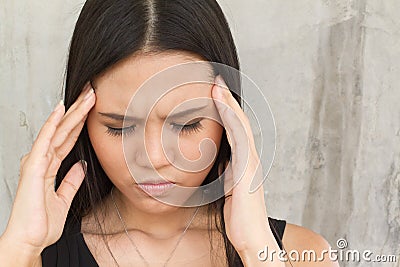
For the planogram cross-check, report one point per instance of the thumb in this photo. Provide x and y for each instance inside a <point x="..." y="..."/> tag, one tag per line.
<point x="71" y="183"/>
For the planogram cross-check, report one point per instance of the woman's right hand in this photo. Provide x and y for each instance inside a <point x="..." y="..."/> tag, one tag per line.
<point x="39" y="212"/>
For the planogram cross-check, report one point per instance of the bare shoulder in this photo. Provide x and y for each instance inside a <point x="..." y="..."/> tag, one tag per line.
<point x="299" y="241"/>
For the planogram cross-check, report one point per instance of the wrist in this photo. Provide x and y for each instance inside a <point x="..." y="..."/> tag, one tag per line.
<point x="13" y="253"/>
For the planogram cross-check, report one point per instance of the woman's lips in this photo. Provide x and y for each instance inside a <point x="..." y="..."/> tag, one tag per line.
<point x="156" y="189"/>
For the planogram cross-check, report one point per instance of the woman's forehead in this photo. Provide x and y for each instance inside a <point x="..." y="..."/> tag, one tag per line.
<point x="115" y="89"/>
<point x="136" y="69"/>
<point x="175" y="101"/>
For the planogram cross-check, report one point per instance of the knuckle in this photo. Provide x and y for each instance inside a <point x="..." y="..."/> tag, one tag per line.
<point x="23" y="161"/>
<point x="53" y="156"/>
<point x="82" y="117"/>
<point x="64" y="133"/>
<point x="49" y="156"/>
<point x="82" y="114"/>
<point x="74" y="138"/>
<point x="57" y="157"/>
<point x="59" y="138"/>
<point x="64" y="199"/>
<point x="49" y="124"/>
<point x="50" y="186"/>
<point x="24" y="158"/>
<point x="72" y="186"/>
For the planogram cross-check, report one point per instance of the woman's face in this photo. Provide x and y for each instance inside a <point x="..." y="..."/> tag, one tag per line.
<point x="152" y="148"/>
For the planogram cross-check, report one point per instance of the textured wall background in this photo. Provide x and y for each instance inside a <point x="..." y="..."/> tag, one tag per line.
<point x="329" y="70"/>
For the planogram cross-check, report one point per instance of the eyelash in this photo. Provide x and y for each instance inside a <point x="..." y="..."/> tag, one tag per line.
<point x="186" y="129"/>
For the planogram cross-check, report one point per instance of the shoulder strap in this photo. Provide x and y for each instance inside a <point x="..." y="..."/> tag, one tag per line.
<point x="277" y="228"/>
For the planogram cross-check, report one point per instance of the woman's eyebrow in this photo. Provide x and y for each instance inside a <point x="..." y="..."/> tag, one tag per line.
<point x="119" y="117"/>
<point x="186" y="112"/>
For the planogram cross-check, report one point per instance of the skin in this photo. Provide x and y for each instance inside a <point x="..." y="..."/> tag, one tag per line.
<point x="155" y="224"/>
<point x="125" y="79"/>
<point x="152" y="221"/>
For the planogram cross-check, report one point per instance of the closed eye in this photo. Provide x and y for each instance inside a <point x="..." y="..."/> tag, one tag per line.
<point x="119" y="131"/>
<point x="185" y="129"/>
<point x="189" y="128"/>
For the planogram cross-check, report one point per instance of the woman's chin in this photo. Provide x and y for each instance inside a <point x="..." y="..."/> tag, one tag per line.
<point x="154" y="200"/>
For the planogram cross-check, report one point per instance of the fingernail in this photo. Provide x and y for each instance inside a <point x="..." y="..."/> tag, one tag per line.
<point x="89" y="94"/>
<point x="59" y="105"/>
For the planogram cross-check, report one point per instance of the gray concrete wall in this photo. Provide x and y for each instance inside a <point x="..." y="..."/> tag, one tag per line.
<point x="329" y="70"/>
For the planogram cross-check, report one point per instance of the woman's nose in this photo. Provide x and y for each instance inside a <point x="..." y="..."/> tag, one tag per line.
<point x="156" y="151"/>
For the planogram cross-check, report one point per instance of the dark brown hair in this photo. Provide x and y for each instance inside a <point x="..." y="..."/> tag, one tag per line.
<point x="108" y="31"/>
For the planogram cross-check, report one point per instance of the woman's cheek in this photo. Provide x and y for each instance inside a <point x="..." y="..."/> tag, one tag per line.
<point x="108" y="150"/>
<point x="190" y="148"/>
<point x="211" y="133"/>
<point x="111" y="156"/>
<point x="201" y="149"/>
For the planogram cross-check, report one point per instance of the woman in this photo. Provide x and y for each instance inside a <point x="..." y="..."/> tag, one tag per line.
<point x="97" y="215"/>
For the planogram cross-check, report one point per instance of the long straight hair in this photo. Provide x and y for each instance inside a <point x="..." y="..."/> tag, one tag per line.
<point x="108" y="31"/>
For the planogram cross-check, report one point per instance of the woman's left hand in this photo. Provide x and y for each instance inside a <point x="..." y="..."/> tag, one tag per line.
<point x="245" y="213"/>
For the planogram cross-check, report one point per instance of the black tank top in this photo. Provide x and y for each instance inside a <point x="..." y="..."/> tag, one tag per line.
<point x="71" y="250"/>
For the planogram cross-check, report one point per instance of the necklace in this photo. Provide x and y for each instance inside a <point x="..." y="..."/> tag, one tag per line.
<point x="133" y="243"/>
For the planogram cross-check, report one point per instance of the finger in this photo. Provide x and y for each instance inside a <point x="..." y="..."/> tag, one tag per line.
<point x="79" y="100"/>
<point x="225" y="95"/>
<point x="75" y="132"/>
<point x="69" y="123"/>
<point x="42" y="143"/>
<point x="223" y="110"/>
<point x="231" y="114"/>
<point x="23" y="159"/>
<point x="64" y="149"/>
<point x="235" y="119"/>
<point x="71" y="183"/>
<point x="230" y="100"/>
<point x="239" y="129"/>
<point x="69" y="143"/>
<point x="65" y="137"/>
<point x="228" y="179"/>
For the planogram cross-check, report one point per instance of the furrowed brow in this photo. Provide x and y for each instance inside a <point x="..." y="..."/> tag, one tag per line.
<point x="181" y="114"/>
